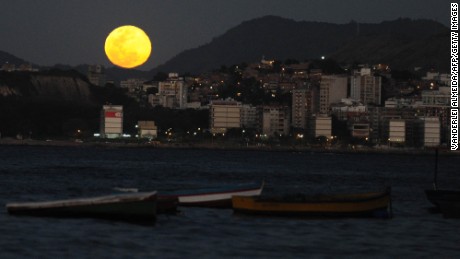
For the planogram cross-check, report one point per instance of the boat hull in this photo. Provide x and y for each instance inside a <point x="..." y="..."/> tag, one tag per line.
<point x="167" y="205"/>
<point x="446" y="201"/>
<point x="356" y="205"/>
<point x="128" y="207"/>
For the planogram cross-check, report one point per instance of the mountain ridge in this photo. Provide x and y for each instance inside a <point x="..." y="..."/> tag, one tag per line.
<point x="281" y="38"/>
<point x="403" y="43"/>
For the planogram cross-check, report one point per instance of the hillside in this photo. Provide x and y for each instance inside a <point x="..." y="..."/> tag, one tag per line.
<point x="431" y="52"/>
<point x="402" y="43"/>
<point x="67" y="86"/>
<point x="54" y="103"/>
<point x="6" y="57"/>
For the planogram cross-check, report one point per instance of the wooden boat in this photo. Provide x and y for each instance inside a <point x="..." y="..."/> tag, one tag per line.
<point x="136" y="207"/>
<point x="373" y="204"/>
<point x="217" y="197"/>
<point x="445" y="201"/>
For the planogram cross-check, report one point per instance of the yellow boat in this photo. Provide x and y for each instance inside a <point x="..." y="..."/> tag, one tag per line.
<point x="372" y="204"/>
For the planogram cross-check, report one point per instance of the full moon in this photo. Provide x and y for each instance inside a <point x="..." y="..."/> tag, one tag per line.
<point x="128" y="46"/>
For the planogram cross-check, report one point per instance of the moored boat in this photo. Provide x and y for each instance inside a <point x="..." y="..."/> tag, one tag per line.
<point x="372" y="204"/>
<point x="216" y="197"/>
<point x="445" y="201"/>
<point x="136" y="207"/>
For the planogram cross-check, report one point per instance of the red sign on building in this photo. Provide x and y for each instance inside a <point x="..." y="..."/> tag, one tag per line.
<point x="110" y="114"/>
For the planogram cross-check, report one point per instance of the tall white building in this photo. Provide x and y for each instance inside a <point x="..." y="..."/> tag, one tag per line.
<point x="365" y="87"/>
<point x="111" y="121"/>
<point x="172" y="93"/>
<point x="332" y="89"/>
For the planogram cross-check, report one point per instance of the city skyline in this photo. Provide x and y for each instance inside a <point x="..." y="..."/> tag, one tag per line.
<point x="73" y="32"/>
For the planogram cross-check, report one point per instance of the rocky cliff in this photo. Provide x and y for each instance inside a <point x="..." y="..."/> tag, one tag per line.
<point x="65" y="86"/>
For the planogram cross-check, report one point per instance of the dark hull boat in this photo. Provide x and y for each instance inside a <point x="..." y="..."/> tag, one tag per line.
<point x="167" y="205"/>
<point x="445" y="201"/>
<point x="374" y="204"/>
<point x="135" y="207"/>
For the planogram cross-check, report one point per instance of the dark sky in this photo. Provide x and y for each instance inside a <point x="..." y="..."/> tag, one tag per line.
<point x="73" y="32"/>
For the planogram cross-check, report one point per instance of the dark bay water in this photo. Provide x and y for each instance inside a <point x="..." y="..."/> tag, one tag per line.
<point x="45" y="173"/>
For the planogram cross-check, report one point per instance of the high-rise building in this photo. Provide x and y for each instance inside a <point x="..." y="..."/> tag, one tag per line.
<point x="172" y="92"/>
<point x="299" y="108"/>
<point x="275" y="120"/>
<point x="111" y="121"/>
<point x="332" y="89"/>
<point x="250" y="117"/>
<point x="366" y="87"/>
<point x="225" y="114"/>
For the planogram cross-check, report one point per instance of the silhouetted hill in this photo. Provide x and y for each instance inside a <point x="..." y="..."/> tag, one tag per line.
<point x="6" y="57"/>
<point x="400" y="49"/>
<point x="401" y="43"/>
<point x="51" y="85"/>
<point x="54" y="103"/>
<point x="113" y="73"/>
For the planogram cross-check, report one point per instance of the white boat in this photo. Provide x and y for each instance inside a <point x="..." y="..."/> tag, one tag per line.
<point x="215" y="197"/>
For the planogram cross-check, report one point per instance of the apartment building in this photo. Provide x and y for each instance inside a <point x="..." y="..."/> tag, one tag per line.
<point x="172" y="93"/>
<point x="366" y="87"/>
<point x="275" y="120"/>
<point x="224" y="114"/>
<point x="299" y="108"/>
<point x="111" y="125"/>
<point x="321" y="125"/>
<point x="332" y="89"/>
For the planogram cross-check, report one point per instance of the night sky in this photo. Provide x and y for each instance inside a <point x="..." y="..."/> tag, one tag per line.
<point x="73" y="32"/>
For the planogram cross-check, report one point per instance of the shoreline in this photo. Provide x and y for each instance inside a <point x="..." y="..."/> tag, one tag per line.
<point x="227" y="146"/>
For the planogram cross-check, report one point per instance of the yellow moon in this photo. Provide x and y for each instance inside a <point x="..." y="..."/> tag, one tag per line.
<point x="128" y="46"/>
